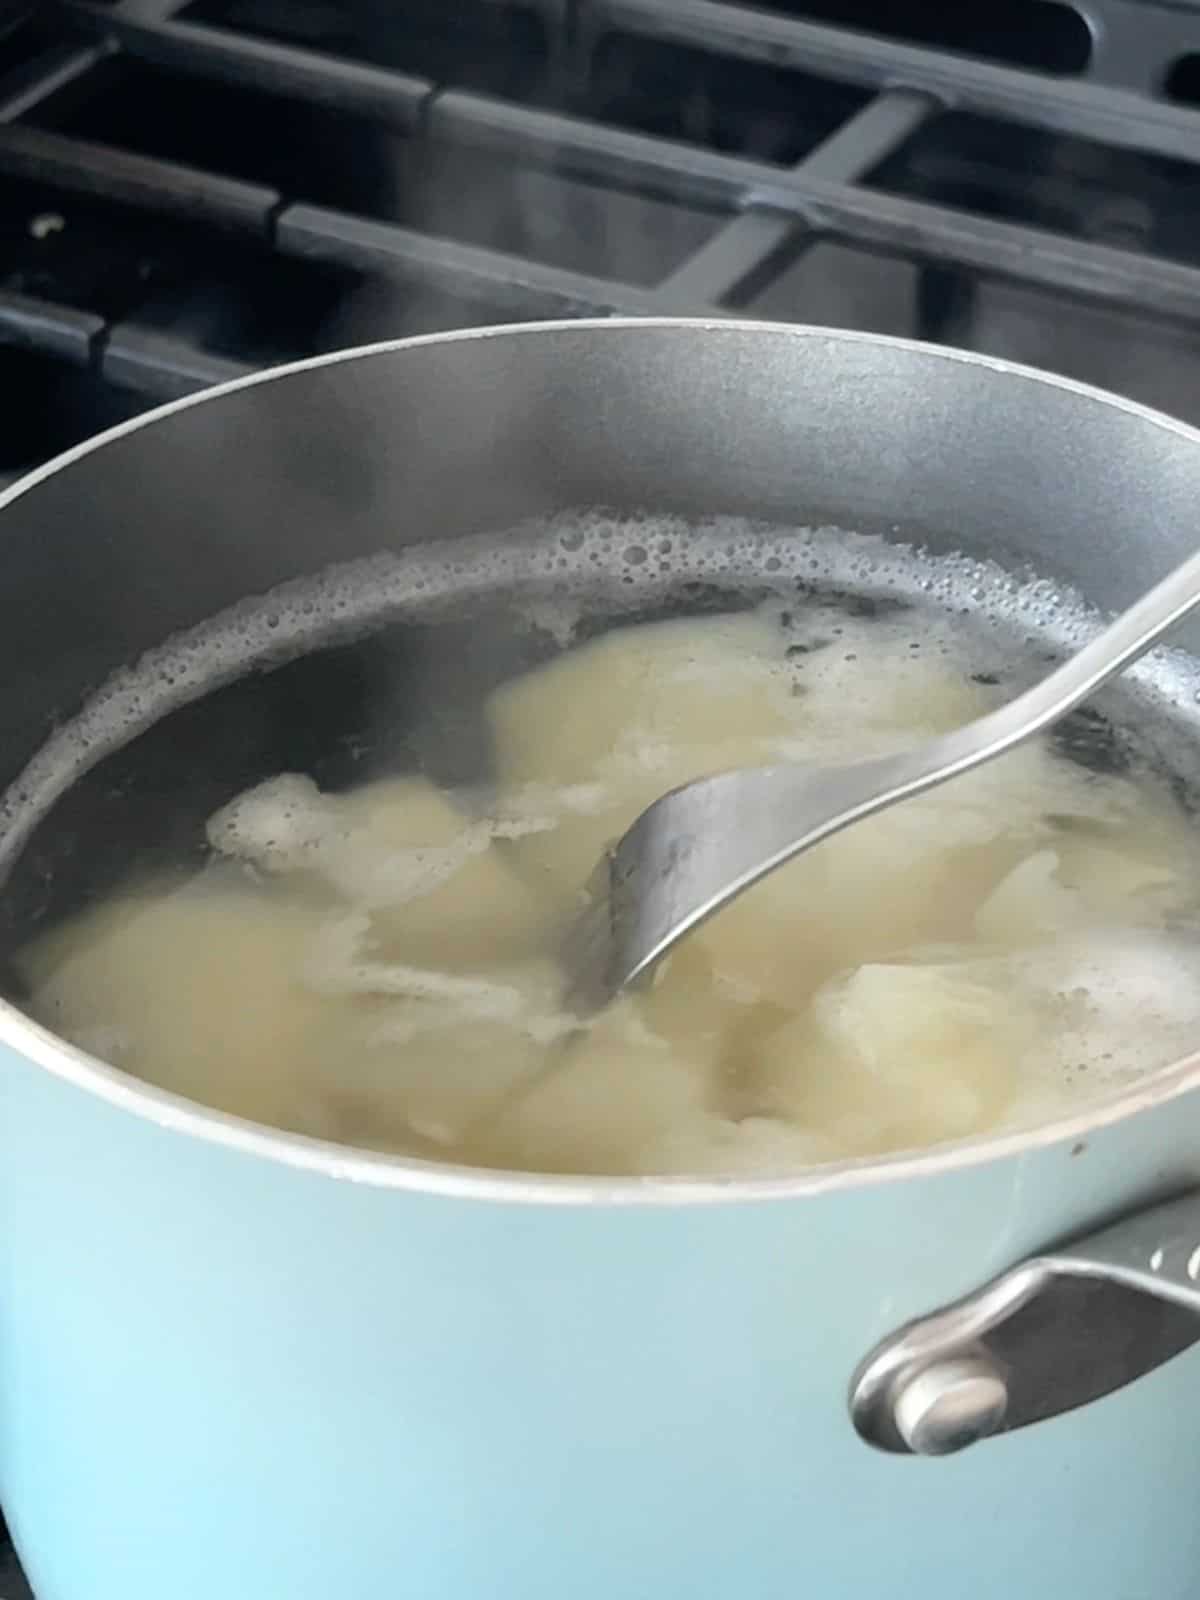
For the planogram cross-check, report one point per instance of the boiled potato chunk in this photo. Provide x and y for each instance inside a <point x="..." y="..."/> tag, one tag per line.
<point x="439" y="890"/>
<point x="896" y="1057"/>
<point x="411" y="1071"/>
<point x="624" y="703"/>
<point x="589" y="740"/>
<point x="692" y="1005"/>
<point x="1078" y="885"/>
<point x="912" y="876"/>
<point x="1031" y="903"/>
<point x="612" y="1091"/>
<point x="868" y="679"/>
<point x="754" y="1146"/>
<point x="196" y="989"/>
<point x="891" y="882"/>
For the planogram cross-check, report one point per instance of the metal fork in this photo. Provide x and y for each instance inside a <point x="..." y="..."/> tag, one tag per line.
<point x="694" y="850"/>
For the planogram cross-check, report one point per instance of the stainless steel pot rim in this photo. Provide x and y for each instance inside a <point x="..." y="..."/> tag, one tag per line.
<point x="65" y="1061"/>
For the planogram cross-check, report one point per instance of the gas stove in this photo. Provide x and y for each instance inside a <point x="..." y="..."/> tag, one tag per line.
<point x="191" y="191"/>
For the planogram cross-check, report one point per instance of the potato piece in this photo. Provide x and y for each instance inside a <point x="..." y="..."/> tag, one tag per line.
<point x="344" y="961"/>
<point x="1030" y="904"/>
<point x="621" y="705"/>
<point x="686" y="1004"/>
<point x="468" y="908"/>
<point x="615" y="1088"/>
<point x="909" y="877"/>
<point x="806" y="1081"/>
<point x="196" y="989"/>
<point x="439" y="889"/>
<point x="624" y="718"/>
<point x="899" y="1057"/>
<point x="869" y="679"/>
<point x="754" y="1147"/>
<point x="1080" y="885"/>
<point x="1122" y="877"/>
<point x="413" y="1070"/>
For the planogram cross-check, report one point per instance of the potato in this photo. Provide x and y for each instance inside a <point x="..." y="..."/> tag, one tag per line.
<point x="899" y="1057"/>
<point x="613" y="1090"/>
<point x="414" y="1071"/>
<point x="891" y="882"/>
<point x="195" y="988"/>
<point x="1030" y="904"/>
<point x="590" y="739"/>
<point x="868" y="680"/>
<point x="621" y="705"/>
<point x="439" y="889"/>
<point x="754" y="1147"/>
<point x="1079" y="885"/>
<point x="912" y="876"/>
<point x="687" y="1003"/>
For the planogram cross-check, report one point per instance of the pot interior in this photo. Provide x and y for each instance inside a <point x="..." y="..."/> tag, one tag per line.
<point x="451" y="445"/>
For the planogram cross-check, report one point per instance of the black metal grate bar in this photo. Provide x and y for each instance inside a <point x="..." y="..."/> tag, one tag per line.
<point x="773" y="210"/>
<point x="112" y="174"/>
<point x="1026" y="255"/>
<point x="859" y="215"/>
<point x="1088" y="110"/>
<point x="505" y="281"/>
<point x="596" y="149"/>
<point x="1110" y="115"/>
<point x="866" y="216"/>
<point x="149" y="10"/>
<point x="392" y="98"/>
<point x="162" y="367"/>
<point x="45" y="76"/>
<point x="809" y="193"/>
<point x="33" y="324"/>
<point x="744" y="250"/>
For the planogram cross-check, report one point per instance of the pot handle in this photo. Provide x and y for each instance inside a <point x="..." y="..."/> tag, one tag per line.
<point x="1052" y="1333"/>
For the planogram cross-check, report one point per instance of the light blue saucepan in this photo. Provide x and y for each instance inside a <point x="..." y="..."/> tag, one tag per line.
<point x="240" y="1364"/>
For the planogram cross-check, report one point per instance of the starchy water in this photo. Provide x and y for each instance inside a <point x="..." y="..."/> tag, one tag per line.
<point x="377" y="965"/>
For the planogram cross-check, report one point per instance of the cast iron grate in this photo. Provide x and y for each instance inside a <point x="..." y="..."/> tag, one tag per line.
<point x="383" y="170"/>
<point x="576" y="156"/>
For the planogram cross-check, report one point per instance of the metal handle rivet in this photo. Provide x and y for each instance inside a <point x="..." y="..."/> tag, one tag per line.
<point x="949" y="1405"/>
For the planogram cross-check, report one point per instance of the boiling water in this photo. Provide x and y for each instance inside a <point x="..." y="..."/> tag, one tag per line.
<point x="376" y="964"/>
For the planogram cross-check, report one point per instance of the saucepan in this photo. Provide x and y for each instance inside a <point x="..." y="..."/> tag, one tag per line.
<point x="240" y="1362"/>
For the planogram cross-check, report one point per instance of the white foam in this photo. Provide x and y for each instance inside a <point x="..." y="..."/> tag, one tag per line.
<point x="274" y="826"/>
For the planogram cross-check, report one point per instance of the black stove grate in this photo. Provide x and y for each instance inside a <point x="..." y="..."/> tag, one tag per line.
<point x="189" y="191"/>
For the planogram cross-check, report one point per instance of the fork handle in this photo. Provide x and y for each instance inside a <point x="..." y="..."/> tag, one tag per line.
<point x="1133" y="633"/>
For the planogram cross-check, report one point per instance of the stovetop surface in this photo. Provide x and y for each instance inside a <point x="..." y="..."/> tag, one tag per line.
<point x="192" y="191"/>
